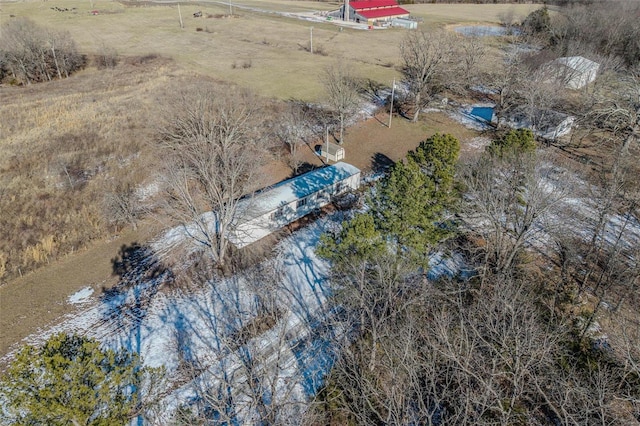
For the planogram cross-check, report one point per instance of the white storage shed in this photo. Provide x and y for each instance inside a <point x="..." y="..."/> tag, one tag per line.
<point x="331" y="151"/>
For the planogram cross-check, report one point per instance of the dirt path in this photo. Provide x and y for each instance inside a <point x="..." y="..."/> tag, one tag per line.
<point x="40" y="297"/>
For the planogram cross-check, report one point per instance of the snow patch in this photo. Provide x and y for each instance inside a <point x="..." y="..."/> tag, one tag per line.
<point x="81" y="296"/>
<point x="478" y="143"/>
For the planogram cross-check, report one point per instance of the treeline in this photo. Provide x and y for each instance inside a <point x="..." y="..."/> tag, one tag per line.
<point x="30" y="53"/>
<point x="608" y="30"/>
<point x="514" y="343"/>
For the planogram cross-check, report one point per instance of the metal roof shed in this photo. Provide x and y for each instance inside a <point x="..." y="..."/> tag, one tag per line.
<point x="332" y="151"/>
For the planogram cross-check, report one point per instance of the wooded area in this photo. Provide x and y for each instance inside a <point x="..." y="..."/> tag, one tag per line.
<point x="538" y="324"/>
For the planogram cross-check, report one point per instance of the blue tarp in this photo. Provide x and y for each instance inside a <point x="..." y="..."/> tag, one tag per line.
<point x="485" y="113"/>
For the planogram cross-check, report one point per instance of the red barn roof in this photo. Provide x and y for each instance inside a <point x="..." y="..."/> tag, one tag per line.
<point x="378" y="13"/>
<point x="372" y="4"/>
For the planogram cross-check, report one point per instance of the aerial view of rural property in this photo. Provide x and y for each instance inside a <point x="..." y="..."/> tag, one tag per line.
<point x="341" y="212"/>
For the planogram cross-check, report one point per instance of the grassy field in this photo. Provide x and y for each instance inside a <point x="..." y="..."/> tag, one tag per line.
<point x="275" y="46"/>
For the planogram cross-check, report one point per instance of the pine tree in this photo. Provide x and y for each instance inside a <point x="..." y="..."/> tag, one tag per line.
<point x="514" y="142"/>
<point x="358" y="241"/>
<point x="437" y="157"/>
<point x="71" y="381"/>
<point x="405" y="210"/>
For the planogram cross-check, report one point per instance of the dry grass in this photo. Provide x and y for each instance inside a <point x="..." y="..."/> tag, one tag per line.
<point x="274" y="45"/>
<point x="371" y="143"/>
<point x="439" y="14"/>
<point x="65" y="144"/>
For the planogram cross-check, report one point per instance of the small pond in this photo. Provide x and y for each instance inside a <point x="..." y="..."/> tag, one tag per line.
<point x="485" y="31"/>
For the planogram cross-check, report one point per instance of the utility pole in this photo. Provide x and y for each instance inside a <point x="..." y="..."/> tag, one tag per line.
<point x="393" y="90"/>
<point x="230" y="9"/>
<point x="327" y="139"/>
<point x="180" y="15"/>
<point x="311" y="40"/>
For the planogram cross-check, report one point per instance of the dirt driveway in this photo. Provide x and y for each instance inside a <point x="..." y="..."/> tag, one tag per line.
<point x="371" y="144"/>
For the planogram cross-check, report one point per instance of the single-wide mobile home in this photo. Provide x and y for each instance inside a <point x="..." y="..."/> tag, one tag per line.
<point x="292" y="199"/>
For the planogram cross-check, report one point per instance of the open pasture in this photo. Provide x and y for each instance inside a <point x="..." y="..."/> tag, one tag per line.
<point x="257" y="47"/>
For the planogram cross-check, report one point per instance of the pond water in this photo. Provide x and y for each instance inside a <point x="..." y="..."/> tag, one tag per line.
<point x="485" y="31"/>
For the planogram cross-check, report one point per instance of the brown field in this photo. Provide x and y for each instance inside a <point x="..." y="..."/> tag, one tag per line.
<point x="106" y="121"/>
<point x="274" y="45"/>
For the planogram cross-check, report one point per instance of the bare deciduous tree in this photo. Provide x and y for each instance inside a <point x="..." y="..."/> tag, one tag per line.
<point x="508" y="200"/>
<point x="122" y="205"/>
<point x="471" y="51"/>
<point x="616" y="107"/>
<point x="538" y="96"/>
<point x="249" y="374"/>
<point x="343" y="94"/>
<point x="213" y="158"/>
<point x="504" y="80"/>
<point x="424" y="56"/>
<point x="292" y="130"/>
<point x="32" y="53"/>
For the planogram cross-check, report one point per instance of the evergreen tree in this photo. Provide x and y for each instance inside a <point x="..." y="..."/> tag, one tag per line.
<point x="71" y="381"/>
<point x="405" y="210"/>
<point x="437" y="157"/>
<point x="537" y="22"/>
<point x="359" y="240"/>
<point x="514" y="142"/>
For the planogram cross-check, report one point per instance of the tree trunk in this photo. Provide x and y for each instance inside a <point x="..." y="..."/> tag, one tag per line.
<point x="55" y="60"/>
<point x="417" y="107"/>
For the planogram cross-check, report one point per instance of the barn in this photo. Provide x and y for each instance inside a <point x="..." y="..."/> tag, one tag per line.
<point x="372" y="12"/>
<point x="292" y="199"/>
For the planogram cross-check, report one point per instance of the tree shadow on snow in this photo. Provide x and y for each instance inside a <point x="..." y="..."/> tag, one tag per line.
<point x="140" y="276"/>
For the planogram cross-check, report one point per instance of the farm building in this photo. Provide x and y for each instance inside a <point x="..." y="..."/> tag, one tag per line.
<point x="372" y="12"/>
<point x="545" y="123"/>
<point x="404" y="23"/>
<point x="574" y="72"/>
<point x="282" y="204"/>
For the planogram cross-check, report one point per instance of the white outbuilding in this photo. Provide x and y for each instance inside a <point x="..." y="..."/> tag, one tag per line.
<point x="574" y="72"/>
<point x="273" y="208"/>
<point x="544" y="123"/>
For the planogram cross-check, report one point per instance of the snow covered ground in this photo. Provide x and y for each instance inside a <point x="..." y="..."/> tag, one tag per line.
<point x="195" y="334"/>
<point x="169" y="327"/>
